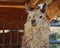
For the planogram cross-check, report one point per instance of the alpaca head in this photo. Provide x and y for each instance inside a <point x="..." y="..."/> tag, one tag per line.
<point x="37" y="16"/>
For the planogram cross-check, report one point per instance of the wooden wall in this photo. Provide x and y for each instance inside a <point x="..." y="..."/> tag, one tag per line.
<point x="12" y="18"/>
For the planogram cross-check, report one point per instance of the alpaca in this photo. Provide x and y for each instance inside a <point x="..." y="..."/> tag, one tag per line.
<point x="37" y="29"/>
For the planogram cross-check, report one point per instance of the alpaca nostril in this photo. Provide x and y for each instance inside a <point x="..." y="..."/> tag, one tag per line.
<point x="32" y="21"/>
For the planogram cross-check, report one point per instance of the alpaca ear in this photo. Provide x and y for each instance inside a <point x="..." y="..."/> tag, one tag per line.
<point x="27" y="8"/>
<point x="43" y="8"/>
<point x="48" y="2"/>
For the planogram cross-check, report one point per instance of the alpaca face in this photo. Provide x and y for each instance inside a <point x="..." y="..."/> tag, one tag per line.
<point x="36" y="17"/>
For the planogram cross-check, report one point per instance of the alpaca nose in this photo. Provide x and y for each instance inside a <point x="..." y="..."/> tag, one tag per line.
<point x="33" y="21"/>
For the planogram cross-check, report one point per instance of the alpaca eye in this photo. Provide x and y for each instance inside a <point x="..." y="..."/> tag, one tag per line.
<point x="40" y="17"/>
<point x="29" y="17"/>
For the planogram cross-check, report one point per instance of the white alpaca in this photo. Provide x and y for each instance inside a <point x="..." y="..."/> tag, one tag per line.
<point x="37" y="29"/>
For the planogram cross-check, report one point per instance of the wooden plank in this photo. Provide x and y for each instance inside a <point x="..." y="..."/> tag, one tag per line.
<point x="13" y="6"/>
<point x="13" y="0"/>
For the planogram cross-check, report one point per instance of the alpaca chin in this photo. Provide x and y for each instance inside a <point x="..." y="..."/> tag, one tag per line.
<point x="36" y="27"/>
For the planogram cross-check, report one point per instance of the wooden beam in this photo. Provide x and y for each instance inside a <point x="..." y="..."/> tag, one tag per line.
<point x="33" y="3"/>
<point x="14" y="6"/>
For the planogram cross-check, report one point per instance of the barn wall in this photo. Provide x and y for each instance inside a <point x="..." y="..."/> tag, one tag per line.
<point x="12" y="18"/>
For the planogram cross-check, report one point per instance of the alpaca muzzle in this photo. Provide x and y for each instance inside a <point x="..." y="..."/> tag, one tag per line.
<point x="33" y="22"/>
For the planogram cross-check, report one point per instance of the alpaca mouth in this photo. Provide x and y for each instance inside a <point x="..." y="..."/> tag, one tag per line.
<point x="34" y="24"/>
